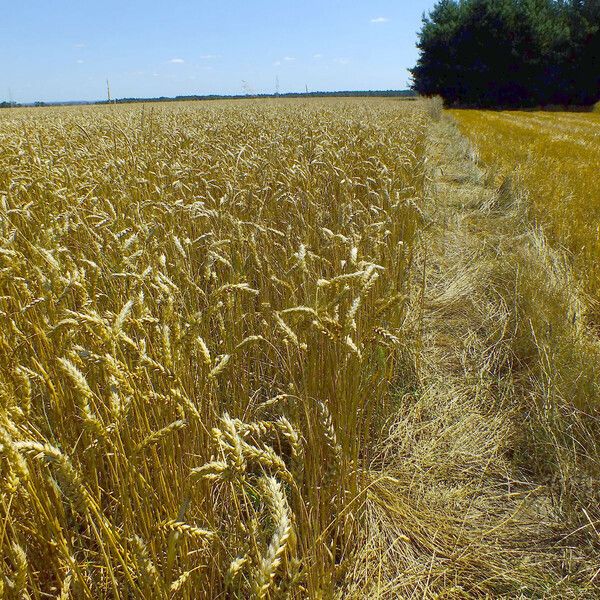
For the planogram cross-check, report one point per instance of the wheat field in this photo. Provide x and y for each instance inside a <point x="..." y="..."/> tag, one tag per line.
<point x="289" y="348"/>
<point x="555" y="156"/>
<point x="202" y="309"/>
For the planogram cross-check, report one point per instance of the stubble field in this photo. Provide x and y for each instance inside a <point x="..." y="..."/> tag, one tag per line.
<point x="555" y="156"/>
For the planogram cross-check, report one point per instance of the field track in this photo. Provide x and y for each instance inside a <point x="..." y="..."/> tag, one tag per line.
<point x="478" y="450"/>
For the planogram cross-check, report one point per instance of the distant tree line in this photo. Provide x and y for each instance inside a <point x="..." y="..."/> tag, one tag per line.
<point x="378" y="93"/>
<point x="510" y="53"/>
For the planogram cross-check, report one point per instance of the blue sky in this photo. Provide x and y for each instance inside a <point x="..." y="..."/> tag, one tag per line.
<point x="65" y="50"/>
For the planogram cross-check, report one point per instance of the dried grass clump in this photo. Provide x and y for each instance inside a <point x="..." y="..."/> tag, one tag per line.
<point x="202" y="312"/>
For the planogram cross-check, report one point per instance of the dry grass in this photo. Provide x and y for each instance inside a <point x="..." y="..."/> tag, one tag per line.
<point x="555" y="157"/>
<point x="486" y="483"/>
<point x="202" y="312"/>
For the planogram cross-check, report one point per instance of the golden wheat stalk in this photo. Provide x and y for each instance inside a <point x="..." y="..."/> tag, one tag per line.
<point x="269" y="563"/>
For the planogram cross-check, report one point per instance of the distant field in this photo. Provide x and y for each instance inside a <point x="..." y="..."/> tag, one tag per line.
<point x="556" y="156"/>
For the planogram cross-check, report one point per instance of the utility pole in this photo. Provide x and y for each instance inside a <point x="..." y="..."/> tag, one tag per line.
<point x="306" y="87"/>
<point x="277" y="86"/>
<point x="108" y="91"/>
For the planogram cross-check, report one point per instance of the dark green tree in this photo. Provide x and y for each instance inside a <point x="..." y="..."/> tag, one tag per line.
<point x="582" y="67"/>
<point x="510" y="52"/>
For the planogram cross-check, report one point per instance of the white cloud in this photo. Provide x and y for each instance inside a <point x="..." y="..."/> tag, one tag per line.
<point x="277" y="63"/>
<point x="79" y="45"/>
<point x="380" y="20"/>
<point x="209" y="56"/>
<point x="288" y="58"/>
<point x="79" y="62"/>
<point x="341" y="61"/>
<point x="317" y="56"/>
<point x="177" y="61"/>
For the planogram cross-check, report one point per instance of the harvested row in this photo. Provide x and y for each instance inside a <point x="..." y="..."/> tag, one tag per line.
<point x="555" y="157"/>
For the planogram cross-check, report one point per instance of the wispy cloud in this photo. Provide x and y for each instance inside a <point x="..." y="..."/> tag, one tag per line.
<point x="80" y="45"/>
<point x="286" y="59"/>
<point x="177" y="61"/>
<point x="380" y="20"/>
<point x="79" y="62"/>
<point x="209" y="56"/>
<point x="317" y="56"/>
<point x="341" y="61"/>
